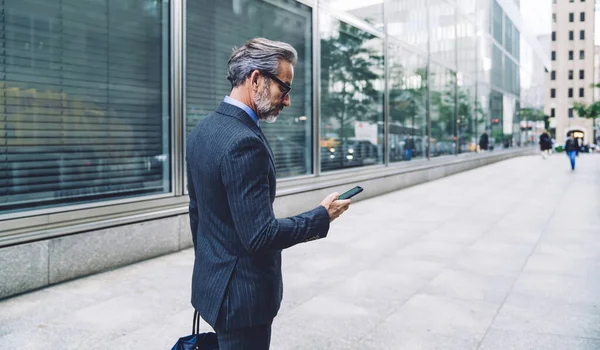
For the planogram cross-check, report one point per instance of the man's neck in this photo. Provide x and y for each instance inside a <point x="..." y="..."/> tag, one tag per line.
<point x="243" y="96"/>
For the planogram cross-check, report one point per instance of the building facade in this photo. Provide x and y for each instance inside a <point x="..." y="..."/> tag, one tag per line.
<point x="572" y="75"/>
<point x="97" y="97"/>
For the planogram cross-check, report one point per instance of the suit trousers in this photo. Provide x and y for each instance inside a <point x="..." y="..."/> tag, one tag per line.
<point x="253" y="338"/>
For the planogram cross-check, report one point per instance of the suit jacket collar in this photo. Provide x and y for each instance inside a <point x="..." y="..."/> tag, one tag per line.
<point x="238" y="113"/>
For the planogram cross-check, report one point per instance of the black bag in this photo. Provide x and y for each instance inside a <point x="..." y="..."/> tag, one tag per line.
<point x="197" y="341"/>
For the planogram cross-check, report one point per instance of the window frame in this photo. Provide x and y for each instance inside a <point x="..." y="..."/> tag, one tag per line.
<point x="69" y="211"/>
<point x="49" y="222"/>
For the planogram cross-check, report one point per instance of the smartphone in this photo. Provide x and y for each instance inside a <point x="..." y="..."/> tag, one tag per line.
<point x="351" y="193"/>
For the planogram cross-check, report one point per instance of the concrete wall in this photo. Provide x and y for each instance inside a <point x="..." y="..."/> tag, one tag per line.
<point x="30" y="266"/>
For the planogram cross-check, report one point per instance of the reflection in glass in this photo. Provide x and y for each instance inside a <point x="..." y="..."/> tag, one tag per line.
<point x="84" y="110"/>
<point x="407" y="81"/>
<point x="496" y="119"/>
<point x="497" y="16"/>
<point x="407" y="21"/>
<point x="466" y="124"/>
<point x="442" y="19"/>
<point x="466" y="45"/>
<point x="371" y="11"/>
<point x="483" y="116"/>
<point x="443" y="122"/>
<point x="214" y="28"/>
<point x="351" y="96"/>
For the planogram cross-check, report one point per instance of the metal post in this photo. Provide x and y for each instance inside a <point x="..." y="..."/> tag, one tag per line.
<point x="177" y="95"/>
<point x="386" y="98"/>
<point x="427" y="83"/>
<point x="316" y="60"/>
<point x="456" y="118"/>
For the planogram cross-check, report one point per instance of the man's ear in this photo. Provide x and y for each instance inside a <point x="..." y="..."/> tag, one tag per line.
<point x="254" y="79"/>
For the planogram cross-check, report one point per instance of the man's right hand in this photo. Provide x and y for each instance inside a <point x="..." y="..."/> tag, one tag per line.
<point x="335" y="207"/>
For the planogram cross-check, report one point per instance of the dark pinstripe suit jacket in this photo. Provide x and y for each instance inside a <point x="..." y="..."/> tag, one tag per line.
<point x="237" y="280"/>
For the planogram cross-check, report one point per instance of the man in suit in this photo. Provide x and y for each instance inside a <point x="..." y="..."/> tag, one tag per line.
<point x="237" y="284"/>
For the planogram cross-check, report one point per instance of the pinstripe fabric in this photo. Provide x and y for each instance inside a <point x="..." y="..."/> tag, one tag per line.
<point x="253" y="338"/>
<point x="237" y="281"/>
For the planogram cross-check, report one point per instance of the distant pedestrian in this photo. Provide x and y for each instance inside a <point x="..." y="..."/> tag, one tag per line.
<point x="572" y="149"/>
<point x="409" y="146"/>
<point x="484" y="141"/>
<point x="545" y="144"/>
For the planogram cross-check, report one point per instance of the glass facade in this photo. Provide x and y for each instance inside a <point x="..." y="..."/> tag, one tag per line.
<point x="84" y="101"/>
<point x="213" y="29"/>
<point x="352" y="86"/>
<point x="442" y="82"/>
<point x="97" y="96"/>
<point x="407" y="107"/>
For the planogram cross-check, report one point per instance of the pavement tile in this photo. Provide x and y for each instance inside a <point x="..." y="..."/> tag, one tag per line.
<point x="497" y="257"/>
<point x="504" y="340"/>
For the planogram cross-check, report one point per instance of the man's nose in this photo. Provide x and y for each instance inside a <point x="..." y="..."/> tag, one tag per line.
<point x="287" y="101"/>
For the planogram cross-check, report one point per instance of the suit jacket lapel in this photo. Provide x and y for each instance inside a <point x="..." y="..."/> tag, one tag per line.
<point x="238" y="113"/>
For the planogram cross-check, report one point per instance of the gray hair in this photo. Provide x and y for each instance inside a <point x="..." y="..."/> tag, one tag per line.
<point x="258" y="54"/>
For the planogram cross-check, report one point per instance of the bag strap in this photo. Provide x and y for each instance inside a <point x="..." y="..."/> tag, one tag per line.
<point x="196" y="324"/>
<point x="196" y="329"/>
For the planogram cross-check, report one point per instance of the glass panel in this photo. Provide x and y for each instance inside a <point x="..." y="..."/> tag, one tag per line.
<point x="371" y="11"/>
<point x="484" y="66"/>
<point x="496" y="120"/>
<point x="465" y="120"/>
<point x="408" y="74"/>
<point x="84" y="96"/>
<point x="466" y="43"/>
<point x="443" y="122"/>
<point x="508" y="74"/>
<point x="443" y="35"/>
<point x="351" y="96"/>
<point x="497" y="67"/>
<point x="483" y="118"/>
<point x="214" y="28"/>
<point x="497" y="15"/>
<point x="508" y="35"/>
<point x="407" y="21"/>
<point x="517" y="43"/>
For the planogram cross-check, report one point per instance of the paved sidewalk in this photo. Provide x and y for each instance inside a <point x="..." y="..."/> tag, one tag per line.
<point x="502" y="257"/>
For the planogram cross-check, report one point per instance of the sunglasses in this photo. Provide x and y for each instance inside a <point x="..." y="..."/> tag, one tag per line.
<point x="286" y="88"/>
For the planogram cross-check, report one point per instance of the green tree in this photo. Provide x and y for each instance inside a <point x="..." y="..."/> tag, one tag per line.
<point x="591" y="111"/>
<point x="532" y="114"/>
<point x="350" y="81"/>
<point x="407" y="102"/>
<point x="464" y="119"/>
<point x="442" y="116"/>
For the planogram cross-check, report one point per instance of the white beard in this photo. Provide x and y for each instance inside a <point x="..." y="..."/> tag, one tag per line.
<point x="265" y="111"/>
<point x="270" y="119"/>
